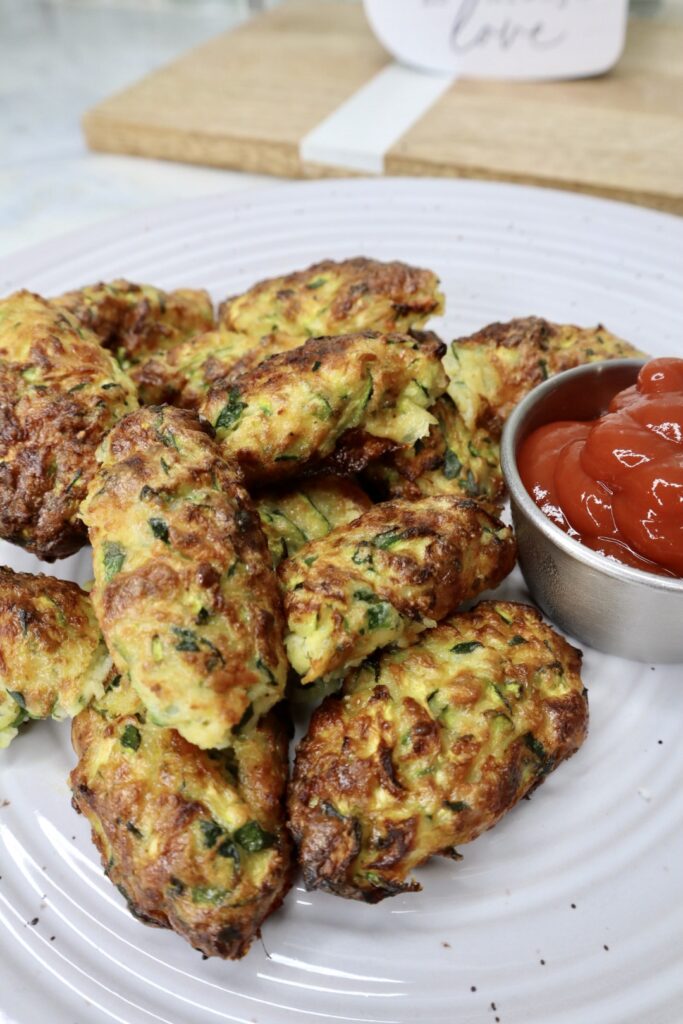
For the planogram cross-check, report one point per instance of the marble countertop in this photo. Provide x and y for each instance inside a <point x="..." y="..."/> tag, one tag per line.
<point x="58" y="58"/>
<point x="56" y="61"/>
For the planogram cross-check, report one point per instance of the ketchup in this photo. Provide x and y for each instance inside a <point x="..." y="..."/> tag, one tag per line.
<point x="616" y="483"/>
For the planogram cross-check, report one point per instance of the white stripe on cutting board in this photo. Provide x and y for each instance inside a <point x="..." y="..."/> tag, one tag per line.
<point x="361" y="130"/>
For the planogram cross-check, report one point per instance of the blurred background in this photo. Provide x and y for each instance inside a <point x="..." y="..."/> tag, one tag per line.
<point x="58" y="58"/>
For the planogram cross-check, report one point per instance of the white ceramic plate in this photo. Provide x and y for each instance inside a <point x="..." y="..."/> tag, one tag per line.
<point x="571" y="910"/>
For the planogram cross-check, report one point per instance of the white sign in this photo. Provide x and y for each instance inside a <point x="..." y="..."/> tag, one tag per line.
<point x="502" y="38"/>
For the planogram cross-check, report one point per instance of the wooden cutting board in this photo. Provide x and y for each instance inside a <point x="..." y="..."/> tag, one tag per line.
<point x="246" y="99"/>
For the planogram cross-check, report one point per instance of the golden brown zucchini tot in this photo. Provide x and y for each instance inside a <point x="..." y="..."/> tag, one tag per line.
<point x="184" y="589"/>
<point x="427" y="747"/>
<point x="396" y="570"/>
<point x="60" y="393"/>
<point x="291" y="412"/>
<point x="194" y="839"/>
